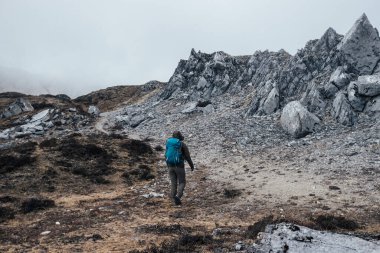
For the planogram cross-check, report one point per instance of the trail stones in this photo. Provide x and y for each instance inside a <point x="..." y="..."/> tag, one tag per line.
<point x="297" y="121"/>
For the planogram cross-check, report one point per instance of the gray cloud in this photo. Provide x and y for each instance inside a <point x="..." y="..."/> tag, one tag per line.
<point x="74" y="47"/>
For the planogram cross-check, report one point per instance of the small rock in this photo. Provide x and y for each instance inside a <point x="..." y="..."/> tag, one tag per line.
<point x="334" y="188"/>
<point x="45" y="232"/>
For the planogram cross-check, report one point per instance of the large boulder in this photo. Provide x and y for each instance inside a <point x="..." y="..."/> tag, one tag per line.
<point x="297" y="120"/>
<point x="369" y="85"/>
<point x="360" y="47"/>
<point x="342" y="110"/>
<point x="19" y="106"/>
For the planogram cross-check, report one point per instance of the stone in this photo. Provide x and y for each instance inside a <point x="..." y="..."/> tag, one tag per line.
<point x="209" y="109"/>
<point x="373" y="105"/>
<point x="19" y="106"/>
<point x="93" y="110"/>
<point x="72" y="109"/>
<point x="339" y="78"/>
<point x="239" y="246"/>
<point x="356" y="100"/>
<point x="297" y="121"/>
<point x="329" y="90"/>
<point x="342" y="110"/>
<point x="202" y="83"/>
<point x="360" y="47"/>
<point x="135" y="121"/>
<point x="190" y="107"/>
<point x="285" y="237"/>
<point x="153" y="195"/>
<point x="369" y="85"/>
<point x="41" y="116"/>
<point x="313" y="100"/>
<point x="272" y="102"/>
<point x="45" y="232"/>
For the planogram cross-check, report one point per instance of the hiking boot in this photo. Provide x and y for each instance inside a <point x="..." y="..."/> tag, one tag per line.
<point x="177" y="201"/>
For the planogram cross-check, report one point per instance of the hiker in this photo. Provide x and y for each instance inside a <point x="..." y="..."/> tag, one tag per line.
<point x="176" y="153"/>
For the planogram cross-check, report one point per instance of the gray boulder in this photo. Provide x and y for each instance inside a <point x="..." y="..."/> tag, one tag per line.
<point x="292" y="238"/>
<point x="297" y="121"/>
<point x="19" y="106"/>
<point x="361" y="46"/>
<point x="342" y="110"/>
<point x="369" y="85"/>
<point x="356" y="100"/>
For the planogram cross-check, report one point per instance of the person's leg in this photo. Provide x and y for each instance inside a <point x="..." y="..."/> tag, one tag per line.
<point x="173" y="182"/>
<point x="181" y="175"/>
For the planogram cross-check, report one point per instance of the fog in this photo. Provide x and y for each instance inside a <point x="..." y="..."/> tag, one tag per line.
<point x="78" y="46"/>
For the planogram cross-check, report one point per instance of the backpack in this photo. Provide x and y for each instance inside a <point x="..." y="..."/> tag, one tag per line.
<point x="173" y="152"/>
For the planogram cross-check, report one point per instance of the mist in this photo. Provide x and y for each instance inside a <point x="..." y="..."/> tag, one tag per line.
<point x="75" y="47"/>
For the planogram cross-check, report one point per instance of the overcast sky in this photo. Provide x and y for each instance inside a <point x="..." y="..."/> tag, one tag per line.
<point x="77" y="46"/>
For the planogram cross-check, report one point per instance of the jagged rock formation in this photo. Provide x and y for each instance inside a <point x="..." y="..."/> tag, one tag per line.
<point x="331" y="75"/>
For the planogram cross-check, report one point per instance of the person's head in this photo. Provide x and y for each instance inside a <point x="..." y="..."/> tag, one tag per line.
<point x="178" y="135"/>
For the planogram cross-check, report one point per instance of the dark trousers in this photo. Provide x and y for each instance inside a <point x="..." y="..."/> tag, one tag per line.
<point x="177" y="178"/>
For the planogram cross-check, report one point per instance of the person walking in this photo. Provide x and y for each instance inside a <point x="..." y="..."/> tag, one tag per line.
<point x="175" y="154"/>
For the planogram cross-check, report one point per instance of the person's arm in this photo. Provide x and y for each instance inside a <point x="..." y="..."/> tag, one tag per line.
<point x="186" y="155"/>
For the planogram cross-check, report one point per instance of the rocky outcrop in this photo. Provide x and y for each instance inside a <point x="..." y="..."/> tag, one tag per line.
<point x="342" y="110"/>
<point x="40" y="123"/>
<point x="206" y="75"/>
<point x="361" y="47"/>
<point x="297" y="121"/>
<point x="285" y="237"/>
<point x="269" y="80"/>
<point x="19" y="106"/>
